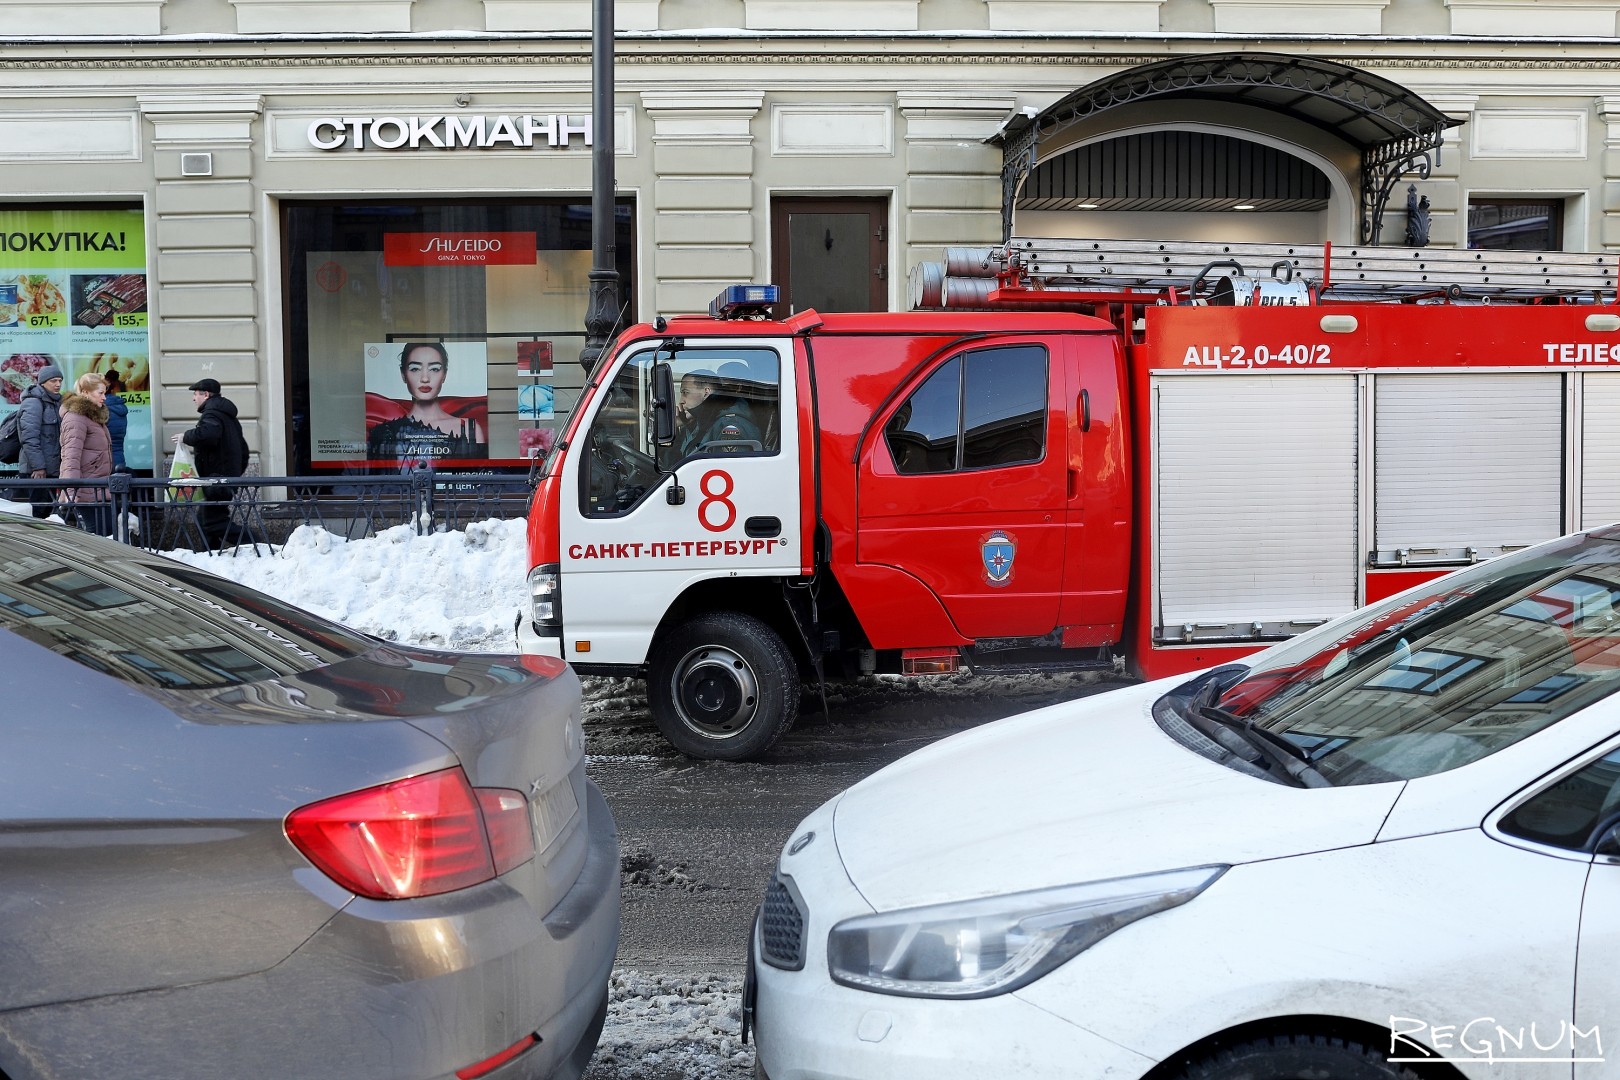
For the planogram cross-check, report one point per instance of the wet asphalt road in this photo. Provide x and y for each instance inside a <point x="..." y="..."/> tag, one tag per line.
<point x="699" y="839"/>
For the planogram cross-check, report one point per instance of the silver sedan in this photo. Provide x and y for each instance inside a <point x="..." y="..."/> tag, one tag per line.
<point x="237" y="839"/>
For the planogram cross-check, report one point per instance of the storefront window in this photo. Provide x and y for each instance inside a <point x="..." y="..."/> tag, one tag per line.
<point x="438" y="333"/>
<point x="73" y="296"/>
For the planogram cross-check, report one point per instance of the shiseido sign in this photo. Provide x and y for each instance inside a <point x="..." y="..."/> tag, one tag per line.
<point x="448" y="132"/>
<point x="459" y="249"/>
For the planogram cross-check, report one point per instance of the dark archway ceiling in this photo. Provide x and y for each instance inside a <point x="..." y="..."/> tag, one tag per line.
<point x="1393" y="128"/>
<point x="1175" y="171"/>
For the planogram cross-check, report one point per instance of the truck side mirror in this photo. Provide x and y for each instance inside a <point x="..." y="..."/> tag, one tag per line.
<point x="663" y="405"/>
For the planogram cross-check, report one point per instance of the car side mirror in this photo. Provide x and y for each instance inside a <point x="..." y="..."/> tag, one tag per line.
<point x="1608" y="843"/>
<point x="663" y="405"/>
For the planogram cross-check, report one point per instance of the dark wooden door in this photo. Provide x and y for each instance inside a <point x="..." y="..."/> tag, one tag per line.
<point x="830" y="254"/>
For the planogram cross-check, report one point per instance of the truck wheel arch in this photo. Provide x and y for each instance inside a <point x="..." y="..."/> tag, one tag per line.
<point x="759" y="597"/>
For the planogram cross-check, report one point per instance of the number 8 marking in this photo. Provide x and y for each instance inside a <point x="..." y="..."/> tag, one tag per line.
<point x="712" y="497"/>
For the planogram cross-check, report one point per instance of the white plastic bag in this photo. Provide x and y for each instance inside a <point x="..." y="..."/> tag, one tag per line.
<point x="183" y="478"/>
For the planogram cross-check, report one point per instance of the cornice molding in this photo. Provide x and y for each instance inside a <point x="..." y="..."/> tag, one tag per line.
<point x="950" y="53"/>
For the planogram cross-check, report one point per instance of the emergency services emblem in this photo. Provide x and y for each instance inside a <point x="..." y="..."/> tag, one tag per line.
<point x="997" y="550"/>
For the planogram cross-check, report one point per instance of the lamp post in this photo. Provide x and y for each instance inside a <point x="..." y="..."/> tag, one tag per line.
<point x="603" y="312"/>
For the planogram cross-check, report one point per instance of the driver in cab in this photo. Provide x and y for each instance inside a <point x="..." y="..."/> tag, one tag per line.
<point x="707" y="418"/>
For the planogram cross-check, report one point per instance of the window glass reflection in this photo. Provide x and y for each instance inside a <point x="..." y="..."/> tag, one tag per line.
<point x="983" y="409"/>
<point x="156" y="622"/>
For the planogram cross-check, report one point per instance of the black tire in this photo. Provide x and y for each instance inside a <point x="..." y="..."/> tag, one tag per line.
<point x="1297" y="1057"/>
<point x="723" y="687"/>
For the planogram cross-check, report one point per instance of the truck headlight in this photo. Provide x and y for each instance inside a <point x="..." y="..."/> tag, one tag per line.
<point x="980" y="948"/>
<point x="545" y="597"/>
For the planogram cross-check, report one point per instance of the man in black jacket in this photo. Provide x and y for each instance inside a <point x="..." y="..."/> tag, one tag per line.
<point x="221" y="450"/>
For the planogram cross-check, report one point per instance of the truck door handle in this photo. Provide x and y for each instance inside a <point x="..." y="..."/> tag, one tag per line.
<point x="1085" y="410"/>
<point x="763" y="526"/>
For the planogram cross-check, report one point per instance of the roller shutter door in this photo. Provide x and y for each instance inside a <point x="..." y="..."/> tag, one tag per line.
<point x="1256" y="504"/>
<point x="1465" y="462"/>
<point x="1600" y="449"/>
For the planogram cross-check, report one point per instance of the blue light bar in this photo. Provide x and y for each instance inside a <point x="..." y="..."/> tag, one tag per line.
<point x="744" y="301"/>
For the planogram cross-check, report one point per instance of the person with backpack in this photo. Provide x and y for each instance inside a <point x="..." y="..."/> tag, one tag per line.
<point x="40" y="426"/>
<point x="221" y="450"/>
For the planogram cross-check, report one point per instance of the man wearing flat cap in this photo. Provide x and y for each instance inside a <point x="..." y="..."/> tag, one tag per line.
<point x="221" y="450"/>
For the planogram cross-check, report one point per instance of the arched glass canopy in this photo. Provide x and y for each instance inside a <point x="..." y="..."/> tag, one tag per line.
<point x="1394" y="129"/>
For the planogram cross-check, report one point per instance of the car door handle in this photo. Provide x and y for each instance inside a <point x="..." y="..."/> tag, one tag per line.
<point x="763" y="526"/>
<point x="1085" y="410"/>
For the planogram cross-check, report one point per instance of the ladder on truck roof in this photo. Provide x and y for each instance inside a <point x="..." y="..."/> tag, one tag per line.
<point x="1016" y="273"/>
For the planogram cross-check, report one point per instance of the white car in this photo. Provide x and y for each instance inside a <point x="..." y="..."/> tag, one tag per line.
<point x="1387" y="848"/>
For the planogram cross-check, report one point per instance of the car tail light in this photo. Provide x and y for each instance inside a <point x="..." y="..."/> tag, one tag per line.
<point x="427" y="835"/>
<point x="511" y="835"/>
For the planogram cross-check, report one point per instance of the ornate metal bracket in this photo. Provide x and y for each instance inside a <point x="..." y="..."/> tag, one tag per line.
<point x="1017" y="161"/>
<point x="1383" y="167"/>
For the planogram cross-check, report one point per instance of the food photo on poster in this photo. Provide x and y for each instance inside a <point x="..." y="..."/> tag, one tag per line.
<point x="39" y="294"/>
<point x="427" y="403"/>
<point x="17" y="374"/>
<point x="100" y="299"/>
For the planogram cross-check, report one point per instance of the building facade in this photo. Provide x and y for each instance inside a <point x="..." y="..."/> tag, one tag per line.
<point x="288" y="195"/>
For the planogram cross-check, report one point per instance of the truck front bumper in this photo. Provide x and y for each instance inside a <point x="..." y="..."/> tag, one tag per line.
<point x="535" y="644"/>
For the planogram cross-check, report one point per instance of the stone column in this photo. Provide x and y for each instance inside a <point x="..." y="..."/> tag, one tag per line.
<point x="203" y="246"/>
<point x="702" y="208"/>
<point x="953" y="177"/>
<point x="1608" y="232"/>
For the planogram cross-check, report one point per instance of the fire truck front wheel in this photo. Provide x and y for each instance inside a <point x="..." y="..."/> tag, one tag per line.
<point x="723" y="687"/>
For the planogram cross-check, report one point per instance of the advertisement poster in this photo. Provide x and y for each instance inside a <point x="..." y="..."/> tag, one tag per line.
<point x="427" y="403"/>
<point x="73" y="294"/>
<point x="537" y="402"/>
<point x="534" y="358"/>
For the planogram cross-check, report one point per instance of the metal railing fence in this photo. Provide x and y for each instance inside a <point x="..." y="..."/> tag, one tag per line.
<point x="219" y="514"/>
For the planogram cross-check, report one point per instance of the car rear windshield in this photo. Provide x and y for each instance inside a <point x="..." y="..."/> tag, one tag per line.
<point x="1424" y="682"/>
<point x="153" y="621"/>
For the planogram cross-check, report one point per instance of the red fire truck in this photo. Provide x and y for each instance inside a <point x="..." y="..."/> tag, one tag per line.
<point x="1174" y="454"/>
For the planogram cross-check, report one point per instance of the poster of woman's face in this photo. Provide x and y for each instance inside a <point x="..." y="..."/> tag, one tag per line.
<point x="424" y="370"/>
<point x="427" y="402"/>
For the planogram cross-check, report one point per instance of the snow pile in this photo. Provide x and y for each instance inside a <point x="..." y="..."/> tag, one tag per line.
<point x="660" y="1026"/>
<point x="446" y="590"/>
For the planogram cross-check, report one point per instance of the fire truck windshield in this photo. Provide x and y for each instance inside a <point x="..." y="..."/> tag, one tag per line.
<point x="726" y="403"/>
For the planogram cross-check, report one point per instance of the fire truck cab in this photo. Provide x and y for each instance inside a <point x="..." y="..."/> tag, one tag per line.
<point x="740" y="500"/>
